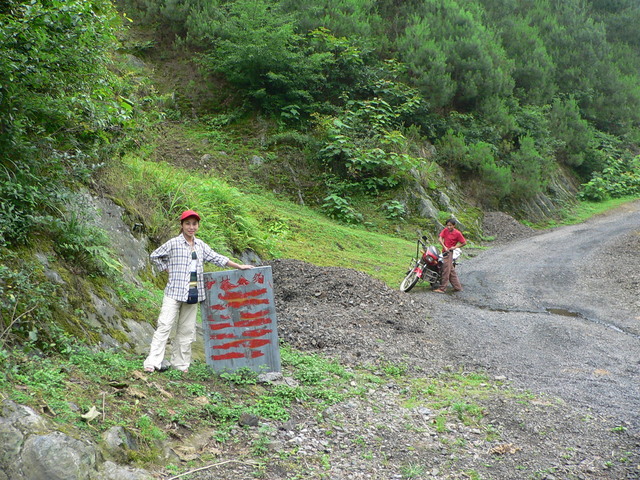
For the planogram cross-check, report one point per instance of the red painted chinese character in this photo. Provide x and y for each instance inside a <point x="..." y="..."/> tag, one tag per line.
<point x="226" y="285"/>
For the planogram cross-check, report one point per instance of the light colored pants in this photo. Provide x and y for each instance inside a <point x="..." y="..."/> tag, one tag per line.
<point x="185" y="315"/>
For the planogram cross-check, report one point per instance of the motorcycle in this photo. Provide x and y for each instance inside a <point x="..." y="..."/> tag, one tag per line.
<point x="426" y="266"/>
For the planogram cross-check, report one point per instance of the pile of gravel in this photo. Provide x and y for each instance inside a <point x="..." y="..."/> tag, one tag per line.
<point x="504" y="228"/>
<point x="349" y="315"/>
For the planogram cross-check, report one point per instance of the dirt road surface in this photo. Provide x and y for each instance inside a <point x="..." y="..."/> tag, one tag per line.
<point x="558" y="312"/>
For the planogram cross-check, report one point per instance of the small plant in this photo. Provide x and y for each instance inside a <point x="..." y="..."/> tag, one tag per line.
<point x="339" y="208"/>
<point x="242" y="376"/>
<point x="27" y="300"/>
<point x="359" y="441"/>
<point x="174" y="374"/>
<point x="394" y="210"/>
<point x="394" y="370"/>
<point x="195" y="389"/>
<point x="412" y="471"/>
<point x="201" y="372"/>
<point x="83" y="243"/>
<point x="473" y="475"/>
<point x="467" y="412"/>
<point x="274" y="407"/>
<point x="312" y="369"/>
<point x="172" y="468"/>
<point x="441" y="423"/>
<point x="260" y="445"/>
<point x="148" y="431"/>
<point x="492" y="433"/>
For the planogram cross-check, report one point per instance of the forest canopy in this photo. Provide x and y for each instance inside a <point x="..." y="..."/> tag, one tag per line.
<point x="525" y="86"/>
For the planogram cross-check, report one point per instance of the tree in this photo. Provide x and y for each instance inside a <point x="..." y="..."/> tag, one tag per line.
<point x="459" y="47"/>
<point x="534" y="68"/>
<point x="427" y="62"/>
<point x="527" y="166"/>
<point x="58" y="105"/>
<point x="353" y="19"/>
<point x="570" y="130"/>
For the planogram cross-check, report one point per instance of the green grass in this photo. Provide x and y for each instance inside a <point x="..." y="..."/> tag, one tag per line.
<point x="313" y="238"/>
<point x="455" y="397"/>
<point x="583" y="211"/>
<point x="233" y="221"/>
<point x="65" y="387"/>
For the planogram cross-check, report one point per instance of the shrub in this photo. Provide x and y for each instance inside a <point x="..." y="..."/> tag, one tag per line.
<point x="339" y="208"/>
<point x="27" y="300"/>
<point x="59" y="110"/>
<point x="364" y="146"/>
<point x="452" y="151"/>
<point x="394" y="210"/>
<point x="527" y="167"/>
<point x="620" y="178"/>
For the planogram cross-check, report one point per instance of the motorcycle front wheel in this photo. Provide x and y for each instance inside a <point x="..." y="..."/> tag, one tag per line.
<point x="409" y="281"/>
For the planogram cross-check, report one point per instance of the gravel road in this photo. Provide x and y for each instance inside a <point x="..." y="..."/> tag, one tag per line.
<point x="558" y="312"/>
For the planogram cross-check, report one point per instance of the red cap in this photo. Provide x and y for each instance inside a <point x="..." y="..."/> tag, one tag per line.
<point x="189" y="213"/>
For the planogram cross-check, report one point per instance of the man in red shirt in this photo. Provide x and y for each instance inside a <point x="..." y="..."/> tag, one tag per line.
<point x="450" y="239"/>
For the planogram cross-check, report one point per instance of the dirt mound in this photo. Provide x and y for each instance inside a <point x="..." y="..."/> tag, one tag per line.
<point x="504" y="228"/>
<point x="350" y="315"/>
<point x="347" y="314"/>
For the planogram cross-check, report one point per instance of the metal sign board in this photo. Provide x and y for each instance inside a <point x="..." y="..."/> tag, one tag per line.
<point x="239" y="321"/>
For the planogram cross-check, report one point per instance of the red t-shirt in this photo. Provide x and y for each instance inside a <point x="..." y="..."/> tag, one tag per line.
<point x="452" y="237"/>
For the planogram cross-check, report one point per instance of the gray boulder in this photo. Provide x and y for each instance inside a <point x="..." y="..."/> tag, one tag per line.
<point x="32" y="449"/>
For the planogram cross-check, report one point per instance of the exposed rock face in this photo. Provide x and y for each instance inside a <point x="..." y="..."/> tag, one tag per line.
<point x="429" y="193"/>
<point x="56" y="456"/>
<point x="31" y="449"/>
<point x="103" y="311"/>
<point x="559" y="193"/>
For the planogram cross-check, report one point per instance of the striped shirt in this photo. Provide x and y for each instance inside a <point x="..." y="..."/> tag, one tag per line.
<point x="175" y="257"/>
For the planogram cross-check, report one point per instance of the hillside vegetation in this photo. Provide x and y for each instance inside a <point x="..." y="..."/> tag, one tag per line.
<point x="381" y="116"/>
<point x="332" y="132"/>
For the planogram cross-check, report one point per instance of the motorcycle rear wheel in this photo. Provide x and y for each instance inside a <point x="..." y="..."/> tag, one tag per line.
<point x="409" y="281"/>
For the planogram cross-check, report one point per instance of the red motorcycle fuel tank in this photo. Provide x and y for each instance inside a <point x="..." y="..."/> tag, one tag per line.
<point x="430" y="256"/>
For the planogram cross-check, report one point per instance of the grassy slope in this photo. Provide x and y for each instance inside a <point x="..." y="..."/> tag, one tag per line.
<point x="256" y="218"/>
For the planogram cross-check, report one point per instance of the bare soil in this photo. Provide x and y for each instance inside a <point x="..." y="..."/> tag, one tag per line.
<point x="559" y="407"/>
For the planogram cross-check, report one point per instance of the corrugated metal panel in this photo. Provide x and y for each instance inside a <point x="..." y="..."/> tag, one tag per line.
<point x="239" y="321"/>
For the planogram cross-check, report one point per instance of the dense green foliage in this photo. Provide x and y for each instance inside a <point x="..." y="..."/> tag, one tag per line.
<point x="63" y="113"/>
<point x="507" y="91"/>
<point x="527" y="87"/>
<point x="60" y="108"/>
